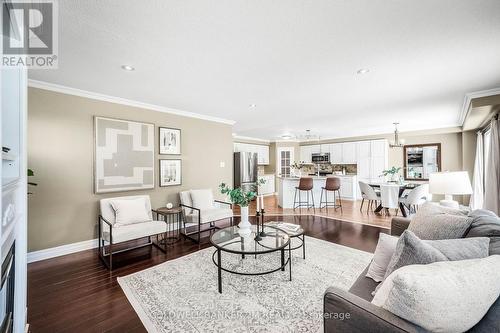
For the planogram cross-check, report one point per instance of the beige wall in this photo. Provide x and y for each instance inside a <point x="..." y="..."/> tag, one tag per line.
<point x="63" y="208"/>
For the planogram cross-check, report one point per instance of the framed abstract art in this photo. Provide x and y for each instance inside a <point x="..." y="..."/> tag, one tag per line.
<point x="124" y="155"/>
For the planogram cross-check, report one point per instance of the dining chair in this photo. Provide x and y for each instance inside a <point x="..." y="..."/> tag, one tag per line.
<point x="416" y="197"/>
<point x="368" y="193"/>
<point x="389" y="195"/>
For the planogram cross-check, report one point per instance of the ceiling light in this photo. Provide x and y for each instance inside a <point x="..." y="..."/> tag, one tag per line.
<point x="128" y="68"/>
<point x="253" y="105"/>
<point x="397" y="143"/>
<point x="286" y="136"/>
<point x="363" y="71"/>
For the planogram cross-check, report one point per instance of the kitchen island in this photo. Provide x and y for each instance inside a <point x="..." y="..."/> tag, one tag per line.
<point x="286" y="189"/>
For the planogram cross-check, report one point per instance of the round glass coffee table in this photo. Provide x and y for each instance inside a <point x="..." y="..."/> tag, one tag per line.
<point x="230" y="241"/>
<point x="293" y="231"/>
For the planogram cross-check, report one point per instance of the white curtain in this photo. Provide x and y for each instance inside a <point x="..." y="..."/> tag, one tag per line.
<point x="492" y="172"/>
<point x="477" y="197"/>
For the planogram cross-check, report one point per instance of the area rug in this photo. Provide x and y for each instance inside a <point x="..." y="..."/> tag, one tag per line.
<point x="181" y="295"/>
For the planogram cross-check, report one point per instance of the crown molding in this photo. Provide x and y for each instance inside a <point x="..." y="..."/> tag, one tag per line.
<point x="249" y="138"/>
<point x="468" y="99"/>
<point x="119" y="100"/>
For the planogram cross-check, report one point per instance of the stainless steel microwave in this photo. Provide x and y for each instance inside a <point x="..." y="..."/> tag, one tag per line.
<point x="320" y="158"/>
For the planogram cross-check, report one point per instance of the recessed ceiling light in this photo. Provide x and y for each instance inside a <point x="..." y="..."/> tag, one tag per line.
<point x="128" y="68"/>
<point x="253" y="105"/>
<point x="363" y="71"/>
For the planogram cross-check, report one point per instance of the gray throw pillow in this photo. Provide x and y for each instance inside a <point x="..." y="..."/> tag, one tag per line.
<point x="451" y="296"/>
<point x="382" y="257"/>
<point x="411" y="250"/>
<point x="433" y="221"/>
<point x="486" y="224"/>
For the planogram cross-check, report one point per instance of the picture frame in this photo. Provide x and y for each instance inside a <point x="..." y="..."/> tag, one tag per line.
<point x="170" y="172"/>
<point x="115" y="141"/>
<point x="169" y="141"/>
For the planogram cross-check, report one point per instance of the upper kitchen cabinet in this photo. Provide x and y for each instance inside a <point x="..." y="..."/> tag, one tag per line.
<point x="305" y="154"/>
<point x="336" y="153"/>
<point x="315" y="149"/>
<point x="261" y="150"/>
<point x="349" y="153"/>
<point x="363" y="151"/>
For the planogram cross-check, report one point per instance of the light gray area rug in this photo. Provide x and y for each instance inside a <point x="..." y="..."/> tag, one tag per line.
<point x="181" y="295"/>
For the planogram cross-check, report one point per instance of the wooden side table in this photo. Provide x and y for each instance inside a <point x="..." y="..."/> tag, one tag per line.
<point x="173" y="220"/>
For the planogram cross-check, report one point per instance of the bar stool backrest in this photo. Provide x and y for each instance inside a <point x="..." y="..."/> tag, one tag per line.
<point x="305" y="183"/>
<point x="332" y="184"/>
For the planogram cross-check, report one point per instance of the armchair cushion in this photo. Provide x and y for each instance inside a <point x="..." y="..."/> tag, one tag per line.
<point x="185" y="197"/>
<point x="135" y="231"/>
<point x="209" y="215"/>
<point x="130" y="211"/>
<point x="202" y="199"/>
<point x="108" y="212"/>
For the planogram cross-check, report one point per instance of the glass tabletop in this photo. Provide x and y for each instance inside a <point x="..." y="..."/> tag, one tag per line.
<point x="229" y="240"/>
<point x="291" y="229"/>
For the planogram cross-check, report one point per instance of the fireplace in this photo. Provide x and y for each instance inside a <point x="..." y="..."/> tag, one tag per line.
<point x="7" y="292"/>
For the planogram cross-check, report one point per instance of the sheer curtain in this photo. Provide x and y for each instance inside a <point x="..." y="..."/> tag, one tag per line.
<point x="476" y="200"/>
<point x="492" y="171"/>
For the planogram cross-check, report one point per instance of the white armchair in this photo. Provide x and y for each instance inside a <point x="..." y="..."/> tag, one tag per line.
<point x="199" y="207"/>
<point x="124" y="219"/>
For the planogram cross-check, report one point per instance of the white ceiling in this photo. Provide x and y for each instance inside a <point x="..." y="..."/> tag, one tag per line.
<point x="296" y="60"/>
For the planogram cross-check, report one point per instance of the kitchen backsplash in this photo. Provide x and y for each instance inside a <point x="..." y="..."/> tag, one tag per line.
<point x="349" y="168"/>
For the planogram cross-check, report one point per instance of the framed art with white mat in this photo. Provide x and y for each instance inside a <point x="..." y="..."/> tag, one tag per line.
<point x="170" y="172"/>
<point x="170" y="141"/>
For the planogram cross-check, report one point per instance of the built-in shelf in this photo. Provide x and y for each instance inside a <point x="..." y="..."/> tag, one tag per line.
<point x="8" y="156"/>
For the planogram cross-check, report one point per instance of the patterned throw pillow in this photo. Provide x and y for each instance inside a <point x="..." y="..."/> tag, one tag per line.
<point x="433" y="221"/>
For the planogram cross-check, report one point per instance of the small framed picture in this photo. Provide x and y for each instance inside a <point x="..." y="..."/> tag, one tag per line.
<point x="170" y="172"/>
<point x="170" y="141"/>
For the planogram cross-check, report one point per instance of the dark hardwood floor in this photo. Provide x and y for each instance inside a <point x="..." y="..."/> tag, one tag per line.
<point x="76" y="293"/>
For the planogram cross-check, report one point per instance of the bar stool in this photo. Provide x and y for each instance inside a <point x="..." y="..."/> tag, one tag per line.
<point x="305" y="184"/>
<point x="332" y="184"/>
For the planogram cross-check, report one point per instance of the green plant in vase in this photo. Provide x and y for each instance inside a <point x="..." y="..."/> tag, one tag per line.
<point x="393" y="172"/>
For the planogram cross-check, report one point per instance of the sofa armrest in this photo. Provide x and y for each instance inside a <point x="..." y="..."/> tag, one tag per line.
<point x="398" y="225"/>
<point x="346" y="312"/>
<point x="224" y="203"/>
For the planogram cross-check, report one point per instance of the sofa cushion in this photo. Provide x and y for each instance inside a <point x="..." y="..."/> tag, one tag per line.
<point x="209" y="215"/>
<point x="433" y="221"/>
<point x="363" y="287"/>
<point x="490" y="322"/>
<point x="411" y="250"/>
<point x="382" y="257"/>
<point x="135" y="231"/>
<point x="486" y="224"/>
<point x="202" y="199"/>
<point x="454" y="302"/>
<point x="130" y="211"/>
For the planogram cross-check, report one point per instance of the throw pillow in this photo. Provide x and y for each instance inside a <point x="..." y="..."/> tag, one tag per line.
<point x="202" y="199"/>
<point x="454" y="302"/>
<point x="411" y="250"/>
<point x="433" y="221"/>
<point x="129" y="211"/>
<point x="486" y="224"/>
<point x="382" y="256"/>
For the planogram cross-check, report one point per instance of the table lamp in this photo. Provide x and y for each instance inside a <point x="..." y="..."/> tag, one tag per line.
<point x="449" y="184"/>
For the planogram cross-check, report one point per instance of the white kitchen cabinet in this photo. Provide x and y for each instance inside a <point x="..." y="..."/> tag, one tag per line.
<point x="315" y="149"/>
<point x="363" y="152"/>
<point x="261" y="150"/>
<point x="379" y="157"/>
<point x="269" y="186"/>
<point x="336" y="153"/>
<point x="346" y="190"/>
<point x="305" y="154"/>
<point x="349" y="152"/>
<point x="379" y="148"/>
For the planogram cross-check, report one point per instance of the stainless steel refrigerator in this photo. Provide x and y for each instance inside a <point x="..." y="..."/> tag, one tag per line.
<point x="245" y="171"/>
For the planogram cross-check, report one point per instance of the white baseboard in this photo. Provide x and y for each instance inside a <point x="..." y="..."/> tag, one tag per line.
<point x="61" y="250"/>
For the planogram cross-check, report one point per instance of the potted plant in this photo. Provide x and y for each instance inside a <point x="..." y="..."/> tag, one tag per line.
<point x="242" y="198"/>
<point x="393" y="172"/>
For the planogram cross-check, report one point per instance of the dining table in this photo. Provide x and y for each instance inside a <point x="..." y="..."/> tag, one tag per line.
<point x="402" y="188"/>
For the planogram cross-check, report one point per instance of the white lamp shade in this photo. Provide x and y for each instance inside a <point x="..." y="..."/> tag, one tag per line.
<point x="456" y="182"/>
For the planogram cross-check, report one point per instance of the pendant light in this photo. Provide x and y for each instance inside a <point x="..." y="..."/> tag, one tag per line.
<point x="397" y="143"/>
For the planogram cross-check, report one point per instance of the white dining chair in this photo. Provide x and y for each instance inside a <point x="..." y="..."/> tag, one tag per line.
<point x="416" y="197"/>
<point x="368" y="193"/>
<point x="389" y="195"/>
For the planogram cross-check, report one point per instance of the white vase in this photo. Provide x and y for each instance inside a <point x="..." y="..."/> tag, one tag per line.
<point x="244" y="225"/>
